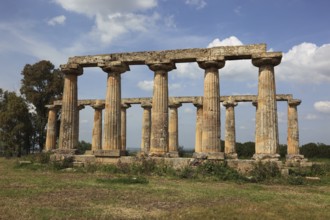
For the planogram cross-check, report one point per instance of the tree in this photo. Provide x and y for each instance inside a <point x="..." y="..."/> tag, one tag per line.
<point x="15" y="124"/>
<point x="41" y="85"/>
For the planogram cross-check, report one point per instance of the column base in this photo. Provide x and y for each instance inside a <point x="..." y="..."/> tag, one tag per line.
<point x="158" y="154"/>
<point x="295" y="157"/>
<point x="209" y="155"/>
<point x="173" y="154"/>
<point x="107" y="153"/>
<point x="231" y="156"/>
<point x="62" y="154"/>
<point x="270" y="157"/>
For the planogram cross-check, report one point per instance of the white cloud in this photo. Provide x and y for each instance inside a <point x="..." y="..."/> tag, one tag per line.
<point x="311" y="117"/>
<point x="115" y="18"/>
<point x="188" y="70"/>
<point x="322" y="106"/>
<point x="188" y="110"/>
<point x="146" y="85"/>
<point x="198" y="3"/>
<point x="174" y="86"/>
<point x="230" y="41"/>
<point x="106" y="7"/>
<point x="57" y="20"/>
<point x="306" y="63"/>
<point x="281" y="117"/>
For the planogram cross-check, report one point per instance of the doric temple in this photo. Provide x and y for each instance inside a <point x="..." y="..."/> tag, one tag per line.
<point x="160" y="112"/>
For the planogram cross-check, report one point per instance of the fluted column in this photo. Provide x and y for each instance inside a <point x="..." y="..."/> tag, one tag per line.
<point x="97" y="126"/>
<point x="159" y="113"/>
<point x="266" y="117"/>
<point x="174" y="130"/>
<point x="124" y="107"/>
<point x="198" y="130"/>
<point x="230" y="132"/>
<point x="51" y="128"/>
<point x="69" y="114"/>
<point x="211" y="146"/>
<point x="146" y="127"/>
<point x="112" y="114"/>
<point x="79" y="107"/>
<point x="293" y="130"/>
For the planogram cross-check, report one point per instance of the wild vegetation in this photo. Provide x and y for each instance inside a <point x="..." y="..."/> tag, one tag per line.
<point x="144" y="190"/>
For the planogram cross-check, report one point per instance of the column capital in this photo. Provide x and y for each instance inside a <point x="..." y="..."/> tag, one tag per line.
<point x="146" y="105"/>
<point x="98" y="105"/>
<point x="294" y="102"/>
<point x="229" y="103"/>
<point x="80" y="107"/>
<point x="198" y="102"/>
<point x="255" y="103"/>
<point x="174" y="105"/>
<point x="71" y="69"/>
<point x="168" y="66"/>
<point x="264" y="59"/>
<point x="52" y="107"/>
<point x="125" y="105"/>
<point x="217" y="63"/>
<point x="114" y="67"/>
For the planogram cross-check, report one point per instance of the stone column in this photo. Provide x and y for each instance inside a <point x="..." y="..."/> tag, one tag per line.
<point x="97" y="126"/>
<point x="146" y="127"/>
<point x="174" y="130"/>
<point x="199" y="123"/>
<point x="79" y="107"/>
<point x="159" y="113"/>
<point x="266" y="117"/>
<point x="69" y="115"/>
<point x="211" y="146"/>
<point x="51" y="128"/>
<point x="293" y="131"/>
<point x="112" y="115"/>
<point x="230" y="132"/>
<point x="124" y="107"/>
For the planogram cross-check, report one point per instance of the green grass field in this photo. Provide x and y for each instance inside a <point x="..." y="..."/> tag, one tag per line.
<point x="38" y="193"/>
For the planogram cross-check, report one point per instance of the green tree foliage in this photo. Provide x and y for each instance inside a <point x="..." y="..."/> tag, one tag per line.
<point x="15" y="124"/>
<point x="41" y="85"/>
<point x="245" y="150"/>
<point x="313" y="150"/>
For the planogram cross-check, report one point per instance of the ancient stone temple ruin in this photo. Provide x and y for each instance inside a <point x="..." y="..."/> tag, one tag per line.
<point x="160" y="112"/>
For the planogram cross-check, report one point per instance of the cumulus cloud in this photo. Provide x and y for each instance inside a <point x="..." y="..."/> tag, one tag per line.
<point x="174" y="86"/>
<point x="230" y="41"/>
<point x="57" y="20"/>
<point x="114" y="18"/>
<point x="146" y="85"/>
<point x="322" y="106"/>
<point x="199" y="4"/>
<point x="306" y="63"/>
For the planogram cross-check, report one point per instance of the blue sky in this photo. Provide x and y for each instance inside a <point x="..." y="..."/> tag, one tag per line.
<point x="33" y="30"/>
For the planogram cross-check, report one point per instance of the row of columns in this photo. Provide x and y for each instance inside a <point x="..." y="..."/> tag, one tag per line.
<point x="208" y="114"/>
<point x="230" y="133"/>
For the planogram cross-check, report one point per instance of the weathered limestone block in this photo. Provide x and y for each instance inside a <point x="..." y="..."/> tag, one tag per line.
<point x="69" y="113"/>
<point x="159" y="113"/>
<point x="174" y="130"/>
<point x="230" y="132"/>
<point x="112" y="114"/>
<point x="266" y="116"/>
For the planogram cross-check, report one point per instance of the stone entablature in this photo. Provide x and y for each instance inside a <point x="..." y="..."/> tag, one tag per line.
<point x="180" y="99"/>
<point x="176" y="56"/>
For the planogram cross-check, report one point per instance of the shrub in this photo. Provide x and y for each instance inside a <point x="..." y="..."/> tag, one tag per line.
<point x="125" y="180"/>
<point x="265" y="171"/>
